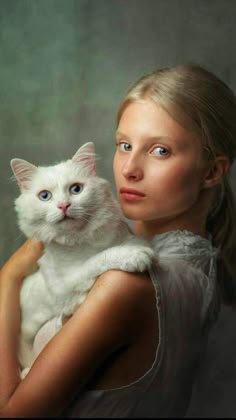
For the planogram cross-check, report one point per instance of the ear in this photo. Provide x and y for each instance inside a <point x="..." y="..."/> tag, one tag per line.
<point x="219" y="168"/>
<point x="23" y="172"/>
<point x="86" y="155"/>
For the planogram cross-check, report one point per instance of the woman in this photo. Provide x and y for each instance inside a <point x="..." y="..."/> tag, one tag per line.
<point x="134" y="346"/>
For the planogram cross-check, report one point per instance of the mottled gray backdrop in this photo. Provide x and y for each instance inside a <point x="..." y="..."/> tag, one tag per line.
<point x="65" y="65"/>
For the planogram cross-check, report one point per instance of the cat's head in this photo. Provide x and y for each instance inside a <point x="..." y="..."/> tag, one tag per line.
<point x="57" y="203"/>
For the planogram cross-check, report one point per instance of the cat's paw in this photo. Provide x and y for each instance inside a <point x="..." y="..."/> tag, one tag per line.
<point x="140" y="259"/>
<point x="132" y="258"/>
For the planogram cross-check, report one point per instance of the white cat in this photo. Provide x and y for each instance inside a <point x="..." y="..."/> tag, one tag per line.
<point x="73" y="212"/>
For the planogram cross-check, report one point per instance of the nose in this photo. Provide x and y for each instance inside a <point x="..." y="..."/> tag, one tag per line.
<point x="132" y="169"/>
<point x="63" y="207"/>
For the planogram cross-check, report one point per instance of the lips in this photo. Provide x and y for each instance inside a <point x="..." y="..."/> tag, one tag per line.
<point x="131" y="191"/>
<point x="130" y="194"/>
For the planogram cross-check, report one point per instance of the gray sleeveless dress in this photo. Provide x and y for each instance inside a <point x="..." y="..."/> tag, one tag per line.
<point x="187" y="303"/>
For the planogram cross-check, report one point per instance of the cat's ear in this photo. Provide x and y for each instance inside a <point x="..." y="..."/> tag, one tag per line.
<point x="23" y="172"/>
<point x="86" y="155"/>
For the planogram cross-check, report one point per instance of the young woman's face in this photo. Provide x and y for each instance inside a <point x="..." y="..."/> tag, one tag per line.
<point x="158" y="165"/>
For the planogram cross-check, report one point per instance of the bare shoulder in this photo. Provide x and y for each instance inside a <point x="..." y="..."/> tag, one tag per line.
<point x="125" y="295"/>
<point x="122" y="284"/>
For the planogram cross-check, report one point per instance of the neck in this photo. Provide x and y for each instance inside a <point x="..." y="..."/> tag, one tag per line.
<point x="150" y="228"/>
<point x="196" y="224"/>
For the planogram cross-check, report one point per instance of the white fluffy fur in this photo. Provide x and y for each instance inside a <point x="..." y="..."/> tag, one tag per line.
<point x="77" y="250"/>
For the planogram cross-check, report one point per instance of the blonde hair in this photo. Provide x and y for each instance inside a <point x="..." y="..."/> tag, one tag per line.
<point x="201" y="102"/>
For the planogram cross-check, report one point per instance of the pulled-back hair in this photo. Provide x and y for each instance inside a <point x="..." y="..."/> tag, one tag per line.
<point x="204" y="104"/>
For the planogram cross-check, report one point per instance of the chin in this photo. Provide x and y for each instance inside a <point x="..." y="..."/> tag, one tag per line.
<point x="133" y="214"/>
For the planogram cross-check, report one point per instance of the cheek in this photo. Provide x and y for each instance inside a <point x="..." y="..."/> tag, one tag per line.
<point x="48" y="212"/>
<point x="184" y="181"/>
<point x="116" y="167"/>
<point x="178" y="185"/>
<point x="36" y="209"/>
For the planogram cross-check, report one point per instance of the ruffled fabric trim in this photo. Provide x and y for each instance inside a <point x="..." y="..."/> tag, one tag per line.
<point x="183" y="243"/>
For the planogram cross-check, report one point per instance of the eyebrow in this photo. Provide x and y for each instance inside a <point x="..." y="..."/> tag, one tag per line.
<point x="156" y="138"/>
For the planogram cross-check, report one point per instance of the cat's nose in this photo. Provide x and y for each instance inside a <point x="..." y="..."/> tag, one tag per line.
<point x="63" y="207"/>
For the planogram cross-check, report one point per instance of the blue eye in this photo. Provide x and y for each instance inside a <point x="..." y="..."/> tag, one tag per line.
<point x="75" y="188"/>
<point x="160" y="151"/>
<point x="125" y="147"/>
<point x="44" y="195"/>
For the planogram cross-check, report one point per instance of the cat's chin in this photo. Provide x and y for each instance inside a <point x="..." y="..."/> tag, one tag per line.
<point x="64" y="240"/>
<point x="66" y="219"/>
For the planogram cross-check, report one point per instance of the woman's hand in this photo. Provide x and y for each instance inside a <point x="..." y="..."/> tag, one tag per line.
<point x="24" y="261"/>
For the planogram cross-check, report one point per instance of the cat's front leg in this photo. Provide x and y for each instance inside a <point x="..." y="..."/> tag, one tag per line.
<point x="38" y="305"/>
<point x="127" y="257"/>
<point x="26" y="355"/>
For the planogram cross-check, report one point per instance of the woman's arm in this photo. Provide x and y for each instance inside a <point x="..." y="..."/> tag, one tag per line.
<point x="103" y="323"/>
<point x="11" y="276"/>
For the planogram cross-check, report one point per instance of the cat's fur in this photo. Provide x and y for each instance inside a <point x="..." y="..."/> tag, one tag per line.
<point x="77" y="250"/>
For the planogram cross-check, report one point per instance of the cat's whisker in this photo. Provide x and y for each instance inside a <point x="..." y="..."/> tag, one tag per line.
<point x="19" y="237"/>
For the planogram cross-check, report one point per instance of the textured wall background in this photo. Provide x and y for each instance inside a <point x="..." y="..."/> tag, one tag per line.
<point x="65" y="66"/>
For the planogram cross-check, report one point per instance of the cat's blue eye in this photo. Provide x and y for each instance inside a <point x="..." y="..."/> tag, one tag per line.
<point x="44" y="195"/>
<point x="160" y="151"/>
<point x="75" y="188"/>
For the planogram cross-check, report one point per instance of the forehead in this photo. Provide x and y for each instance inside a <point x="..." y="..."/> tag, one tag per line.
<point x="148" y="119"/>
<point x="58" y="175"/>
